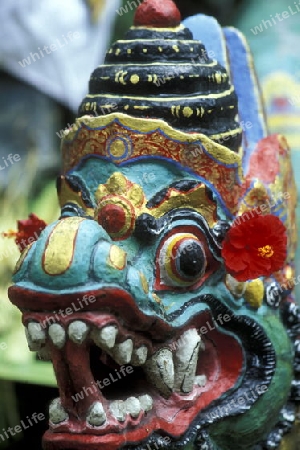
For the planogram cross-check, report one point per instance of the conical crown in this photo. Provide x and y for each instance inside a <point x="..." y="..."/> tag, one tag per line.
<point x="161" y="72"/>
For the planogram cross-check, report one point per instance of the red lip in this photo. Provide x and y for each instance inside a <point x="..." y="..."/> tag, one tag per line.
<point x="221" y="362"/>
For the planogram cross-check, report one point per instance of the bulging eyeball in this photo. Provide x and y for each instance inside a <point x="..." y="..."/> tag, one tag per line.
<point x="182" y="259"/>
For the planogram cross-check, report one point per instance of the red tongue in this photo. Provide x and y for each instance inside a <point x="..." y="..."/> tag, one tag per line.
<point x="157" y="13"/>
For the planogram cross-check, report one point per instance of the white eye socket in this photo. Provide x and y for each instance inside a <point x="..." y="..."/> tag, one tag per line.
<point x="182" y="260"/>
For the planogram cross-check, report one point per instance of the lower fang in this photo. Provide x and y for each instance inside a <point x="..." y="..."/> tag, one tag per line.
<point x="160" y="370"/>
<point x="185" y="361"/>
<point x="57" y="414"/>
<point x="96" y="416"/>
<point x="117" y="409"/>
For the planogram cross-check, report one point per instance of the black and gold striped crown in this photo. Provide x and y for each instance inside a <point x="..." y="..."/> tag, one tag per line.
<point x="163" y="73"/>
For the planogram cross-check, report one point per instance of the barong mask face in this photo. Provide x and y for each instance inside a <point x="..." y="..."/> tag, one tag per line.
<point x="156" y="337"/>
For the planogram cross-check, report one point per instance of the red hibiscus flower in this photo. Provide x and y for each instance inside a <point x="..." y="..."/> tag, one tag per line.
<point x="28" y="231"/>
<point x="254" y="246"/>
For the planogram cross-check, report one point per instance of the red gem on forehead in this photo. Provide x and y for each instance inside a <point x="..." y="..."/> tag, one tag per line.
<point x="112" y="218"/>
<point x="157" y="13"/>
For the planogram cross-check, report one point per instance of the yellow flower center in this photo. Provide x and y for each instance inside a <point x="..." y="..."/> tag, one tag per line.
<point x="266" y="251"/>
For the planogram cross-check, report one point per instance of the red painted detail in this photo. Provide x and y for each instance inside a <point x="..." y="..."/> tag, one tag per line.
<point x="243" y="242"/>
<point x="224" y="177"/>
<point x="281" y="102"/>
<point x="157" y="13"/>
<point x="113" y="299"/>
<point x="221" y="362"/>
<point x="112" y="218"/>
<point x="264" y="161"/>
<point x="28" y="231"/>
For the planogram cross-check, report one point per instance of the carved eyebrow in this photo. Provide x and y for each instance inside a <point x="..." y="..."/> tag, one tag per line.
<point x="181" y="186"/>
<point x="148" y="227"/>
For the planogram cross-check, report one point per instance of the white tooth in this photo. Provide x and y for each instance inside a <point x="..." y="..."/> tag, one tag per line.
<point x="132" y="406"/>
<point x="96" y="416"/>
<point x="122" y="352"/>
<point x="78" y="331"/>
<point x="160" y="370"/>
<point x="200" y="380"/>
<point x="186" y="359"/>
<point x="57" y="335"/>
<point x="117" y="409"/>
<point x="35" y="336"/>
<point x="139" y="356"/>
<point x="57" y="413"/>
<point x="146" y="402"/>
<point x="105" y="337"/>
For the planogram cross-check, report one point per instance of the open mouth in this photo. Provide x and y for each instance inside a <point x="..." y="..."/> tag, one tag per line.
<point x="119" y="384"/>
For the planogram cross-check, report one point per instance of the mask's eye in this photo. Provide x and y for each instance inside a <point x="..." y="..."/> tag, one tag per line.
<point x="181" y="260"/>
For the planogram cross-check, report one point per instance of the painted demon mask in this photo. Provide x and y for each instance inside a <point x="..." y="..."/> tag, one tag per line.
<point x="155" y="336"/>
